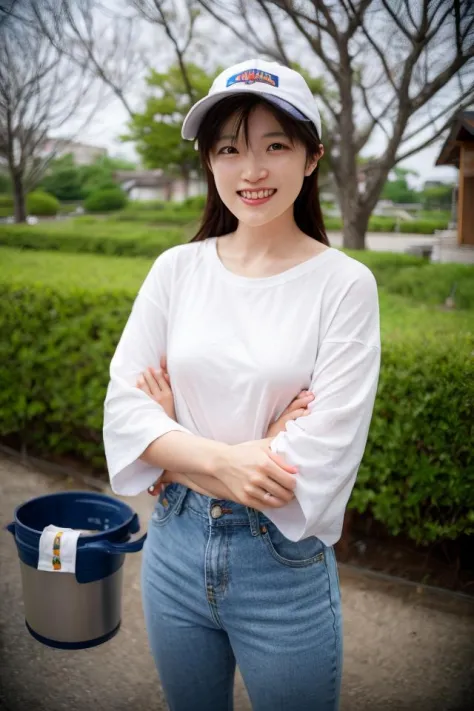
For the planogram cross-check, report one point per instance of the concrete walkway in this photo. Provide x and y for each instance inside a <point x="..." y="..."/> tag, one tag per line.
<point x="403" y="649"/>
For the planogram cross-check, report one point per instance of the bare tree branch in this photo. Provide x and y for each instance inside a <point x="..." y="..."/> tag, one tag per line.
<point x="407" y="54"/>
<point x="40" y="92"/>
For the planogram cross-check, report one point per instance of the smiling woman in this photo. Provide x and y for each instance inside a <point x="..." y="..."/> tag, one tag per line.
<point x="239" y="563"/>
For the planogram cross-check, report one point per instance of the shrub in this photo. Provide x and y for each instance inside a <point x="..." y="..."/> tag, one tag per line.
<point x="145" y="205"/>
<point x="417" y="474"/>
<point x="105" y="200"/>
<point x="40" y="203"/>
<point x="95" y="238"/>
<point x="197" y="202"/>
<point x="6" y="200"/>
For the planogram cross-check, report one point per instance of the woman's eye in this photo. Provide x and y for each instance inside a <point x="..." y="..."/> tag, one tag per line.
<point x="224" y="148"/>
<point x="277" y="144"/>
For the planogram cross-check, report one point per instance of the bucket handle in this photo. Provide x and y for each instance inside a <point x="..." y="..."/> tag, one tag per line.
<point x="116" y="548"/>
<point x="104" y="546"/>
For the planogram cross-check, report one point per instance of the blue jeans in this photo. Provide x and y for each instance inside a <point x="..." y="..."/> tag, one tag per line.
<point x="221" y="585"/>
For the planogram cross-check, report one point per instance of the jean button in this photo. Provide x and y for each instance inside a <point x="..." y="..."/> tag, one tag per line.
<point x="216" y="511"/>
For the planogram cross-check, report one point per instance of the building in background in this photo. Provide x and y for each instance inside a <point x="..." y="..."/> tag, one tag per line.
<point x="158" y="185"/>
<point x="458" y="150"/>
<point x="83" y="153"/>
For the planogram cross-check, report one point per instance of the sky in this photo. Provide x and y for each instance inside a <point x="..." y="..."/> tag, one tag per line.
<point x="111" y="121"/>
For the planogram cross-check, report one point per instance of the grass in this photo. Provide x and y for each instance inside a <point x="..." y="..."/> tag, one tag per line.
<point x="401" y="316"/>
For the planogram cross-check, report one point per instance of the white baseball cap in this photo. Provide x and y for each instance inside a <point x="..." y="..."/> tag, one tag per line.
<point x="279" y="84"/>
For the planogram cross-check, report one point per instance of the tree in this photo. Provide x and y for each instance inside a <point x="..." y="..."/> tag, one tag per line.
<point x="438" y="198"/>
<point x="39" y="92"/>
<point x="398" y="69"/>
<point x="63" y="179"/>
<point x="99" y="175"/>
<point x="398" y="189"/>
<point x="69" y="181"/>
<point x="157" y="131"/>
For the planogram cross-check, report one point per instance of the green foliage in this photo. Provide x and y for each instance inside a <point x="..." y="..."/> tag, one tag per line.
<point x="431" y="284"/>
<point x="437" y="197"/>
<point x="380" y="223"/>
<point x="417" y="474"/>
<point x="69" y="181"/>
<point x="157" y="131"/>
<point x="105" y="200"/>
<point x="77" y="236"/>
<point x="196" y="202"/>
<point x="397" y="188"/>
<point x="5" y="182"/>
<point x="42" y="204"/>
<point x="424" y="227"/>
<point x="63" y="179"/>
<point x="6" y="201"/>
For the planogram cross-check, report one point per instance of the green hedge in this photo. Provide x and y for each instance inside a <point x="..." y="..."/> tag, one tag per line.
<point x="417" y="475"/>
<point x="105" y="200"/>
<point x="41" y="204"/>
<point x="77" y="237"/>
<point x="389" y="224"/>
<point x="171" y="217"/>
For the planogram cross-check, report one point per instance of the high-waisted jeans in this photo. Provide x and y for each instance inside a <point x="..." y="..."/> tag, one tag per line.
<point x="221" y="585"/>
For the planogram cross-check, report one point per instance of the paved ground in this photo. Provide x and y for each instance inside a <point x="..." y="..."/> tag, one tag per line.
<point x="403" y="649"/>
<point x="386" y="241"/>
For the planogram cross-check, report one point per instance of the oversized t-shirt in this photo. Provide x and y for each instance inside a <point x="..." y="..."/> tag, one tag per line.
<point x="239" y="349"/>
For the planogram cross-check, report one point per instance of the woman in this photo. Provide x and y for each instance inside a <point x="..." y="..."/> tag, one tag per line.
<point x="257" y="309"/>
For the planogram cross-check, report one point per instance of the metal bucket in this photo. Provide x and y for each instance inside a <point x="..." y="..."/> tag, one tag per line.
<point x="81" y="609"/>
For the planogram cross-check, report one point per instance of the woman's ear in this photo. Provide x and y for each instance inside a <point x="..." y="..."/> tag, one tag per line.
<point x="311" y="165"/>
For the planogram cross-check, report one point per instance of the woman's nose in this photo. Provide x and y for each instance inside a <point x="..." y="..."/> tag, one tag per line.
<point x="254" y="170"/>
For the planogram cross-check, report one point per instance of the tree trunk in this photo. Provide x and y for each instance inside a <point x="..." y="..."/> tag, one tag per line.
<point x="19" y="198"/>
<point x="354" y="230"/>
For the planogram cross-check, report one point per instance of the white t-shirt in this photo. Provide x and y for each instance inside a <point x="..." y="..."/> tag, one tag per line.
<point x="239" y="349"/>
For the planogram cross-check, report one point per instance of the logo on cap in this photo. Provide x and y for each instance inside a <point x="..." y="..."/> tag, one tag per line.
<point x="251" y="76"/>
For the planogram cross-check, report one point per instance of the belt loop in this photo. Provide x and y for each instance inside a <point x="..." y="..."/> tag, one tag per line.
<point x="181" y="497"/>
<point x="254" y="521"/>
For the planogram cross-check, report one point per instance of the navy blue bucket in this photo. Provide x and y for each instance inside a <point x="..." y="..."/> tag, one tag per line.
<point x="67" y="610"/>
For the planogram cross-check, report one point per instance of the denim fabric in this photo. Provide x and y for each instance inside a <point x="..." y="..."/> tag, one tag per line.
<point x="222" y="586"/>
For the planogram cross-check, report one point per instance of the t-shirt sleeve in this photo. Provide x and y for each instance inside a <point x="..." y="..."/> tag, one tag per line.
<point x="327" y="445"/>
<point x="132" y="420"/>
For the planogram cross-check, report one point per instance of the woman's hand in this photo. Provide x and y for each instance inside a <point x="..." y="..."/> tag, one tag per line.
<point x="256" y="476"/>
<point x="156" y="384"/>
<point x="297" y="408"/>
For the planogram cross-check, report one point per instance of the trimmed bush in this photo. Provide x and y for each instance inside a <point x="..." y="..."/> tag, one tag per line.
<point x="6" y="200"/>
<point x="148" y="205"/>
<point x="165" y="216"/>
<point x="41" y="204"/>
<point x="417" y="475"/>
<point x="78" y="236"/>
<point x="197" y="202"/>
<point x="105" y="200"/>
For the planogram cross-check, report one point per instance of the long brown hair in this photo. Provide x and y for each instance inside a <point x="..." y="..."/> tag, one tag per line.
<point x="217" y="219"/>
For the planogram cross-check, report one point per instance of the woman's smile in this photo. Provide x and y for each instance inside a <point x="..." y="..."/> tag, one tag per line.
<point x="255" y="197"/>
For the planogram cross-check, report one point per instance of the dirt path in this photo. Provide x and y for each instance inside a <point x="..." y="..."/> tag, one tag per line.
<point x="403" y="649"/>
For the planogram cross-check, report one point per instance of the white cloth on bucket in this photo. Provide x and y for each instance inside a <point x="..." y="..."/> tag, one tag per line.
<point x="57" y="549"/>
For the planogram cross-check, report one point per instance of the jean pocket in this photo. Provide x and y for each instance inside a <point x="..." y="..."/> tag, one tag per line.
<point x="295" y="554"/>
<point x="166" y="504"/>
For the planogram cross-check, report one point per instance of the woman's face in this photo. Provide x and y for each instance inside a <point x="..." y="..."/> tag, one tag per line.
<point x="271" y="162"/>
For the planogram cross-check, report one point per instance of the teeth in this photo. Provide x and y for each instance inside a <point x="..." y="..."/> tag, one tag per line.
<point x="256" y="195"/>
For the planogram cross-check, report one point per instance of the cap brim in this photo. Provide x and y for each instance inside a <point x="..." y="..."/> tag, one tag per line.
<point x="194" y="117"/>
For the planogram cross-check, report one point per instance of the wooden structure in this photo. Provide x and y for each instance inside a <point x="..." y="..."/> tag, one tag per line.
<point x="458" y="150"/>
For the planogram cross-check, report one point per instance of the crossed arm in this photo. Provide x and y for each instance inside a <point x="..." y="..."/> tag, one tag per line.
<point x="156" y="384"/>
